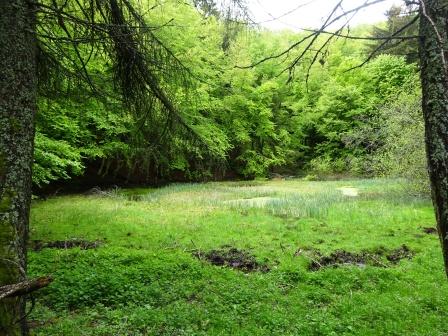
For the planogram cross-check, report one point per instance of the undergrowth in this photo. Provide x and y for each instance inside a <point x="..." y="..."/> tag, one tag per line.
<point x="156" y="271"/>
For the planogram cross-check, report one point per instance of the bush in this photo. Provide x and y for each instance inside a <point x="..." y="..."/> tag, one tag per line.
<point x="403" y="153"/>
<point x="394" y="139"/>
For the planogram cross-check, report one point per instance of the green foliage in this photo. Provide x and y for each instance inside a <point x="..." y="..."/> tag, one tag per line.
<point x="146" y="280"/>
<point x="133" y="280"/>
<point x="398" y="135"/>
<point x="398" y="17"/>
<point x="330" y="111"/>
<point x="54" y="159"/>
<point x="72" y="131"/>
<point x="247" y="122"/>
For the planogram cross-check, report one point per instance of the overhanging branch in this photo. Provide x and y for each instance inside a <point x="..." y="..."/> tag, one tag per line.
<point x="24" y="287"/>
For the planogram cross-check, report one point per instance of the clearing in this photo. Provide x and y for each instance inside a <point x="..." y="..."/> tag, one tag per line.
<point x="239" y="258"/>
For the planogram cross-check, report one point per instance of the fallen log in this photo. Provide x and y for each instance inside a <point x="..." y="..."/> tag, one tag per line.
<point x="24" y="287"/>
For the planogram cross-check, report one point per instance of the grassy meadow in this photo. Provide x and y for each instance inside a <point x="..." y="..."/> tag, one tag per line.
<point x="316" y="261"/>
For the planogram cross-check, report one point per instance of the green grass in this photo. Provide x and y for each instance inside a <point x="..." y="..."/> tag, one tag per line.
<point x="144" y="279"/>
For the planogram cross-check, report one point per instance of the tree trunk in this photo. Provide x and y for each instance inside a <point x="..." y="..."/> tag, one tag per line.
<point x="434" y="77"/>
<point x="18" y="82"/>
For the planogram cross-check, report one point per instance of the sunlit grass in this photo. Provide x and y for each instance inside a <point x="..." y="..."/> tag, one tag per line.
<point x="145" y="280"/>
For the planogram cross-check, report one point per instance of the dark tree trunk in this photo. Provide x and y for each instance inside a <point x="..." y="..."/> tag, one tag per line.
<point x="18" y="81"/>
<point x="434" y="76"/>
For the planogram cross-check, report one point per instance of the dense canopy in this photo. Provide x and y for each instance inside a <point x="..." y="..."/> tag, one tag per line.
<point x="117" y="98"/>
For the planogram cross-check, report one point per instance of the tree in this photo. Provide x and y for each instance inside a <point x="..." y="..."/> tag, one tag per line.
<point x="46" y="45"/>
<point x="18" y="90"/>
<point x="50" y="38"/>
<point x="434" y="78"/>
<point x="397" y="17"/>
<point x="432" y="18"/>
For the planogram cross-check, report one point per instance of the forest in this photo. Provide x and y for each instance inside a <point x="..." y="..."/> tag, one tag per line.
<point x="174" y="168"/>
<point x="240" y="122"/>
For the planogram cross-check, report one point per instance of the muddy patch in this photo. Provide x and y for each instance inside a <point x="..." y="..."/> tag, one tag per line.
<point x="234" y="258"/>
<point x="400" y="253"/>
<point x="38" y="245"/>
<point x="378" y="258"/>
<point x="429" y="230"/>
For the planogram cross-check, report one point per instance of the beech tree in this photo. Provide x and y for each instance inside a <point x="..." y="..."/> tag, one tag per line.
<point x="46" y="45"/>
<point x="432" y="18"/>
<point x="42" y="42"/>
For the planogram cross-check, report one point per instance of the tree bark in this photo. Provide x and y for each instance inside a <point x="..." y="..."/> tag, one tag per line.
<point x="434" y="77"/>
<point x="18" y="82"/>
<point x="24" y="287"/>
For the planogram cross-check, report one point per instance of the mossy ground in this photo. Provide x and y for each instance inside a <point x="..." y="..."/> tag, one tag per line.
<point x="146" y="278"/>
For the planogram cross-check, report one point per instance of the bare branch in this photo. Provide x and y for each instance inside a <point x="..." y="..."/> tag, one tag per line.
<point x="24" y="287"/>
<point x="312" y="38"/>
<point x="275" y="18"/>
<point x="367" y="38"/>
<point x="381" y="46"/>
<point x="314" y="34"/>
<point x="325" y="45"/>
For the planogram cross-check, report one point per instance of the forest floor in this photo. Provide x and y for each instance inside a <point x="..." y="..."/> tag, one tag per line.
<point x="239" y="258"/>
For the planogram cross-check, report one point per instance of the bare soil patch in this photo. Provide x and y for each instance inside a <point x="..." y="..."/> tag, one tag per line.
<point x="403" y="252"/>
<point x="232" y="257"/>
<point x="429" y="230"/>
<point x="378" y="258"/>
<point x="37" y="245"/>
